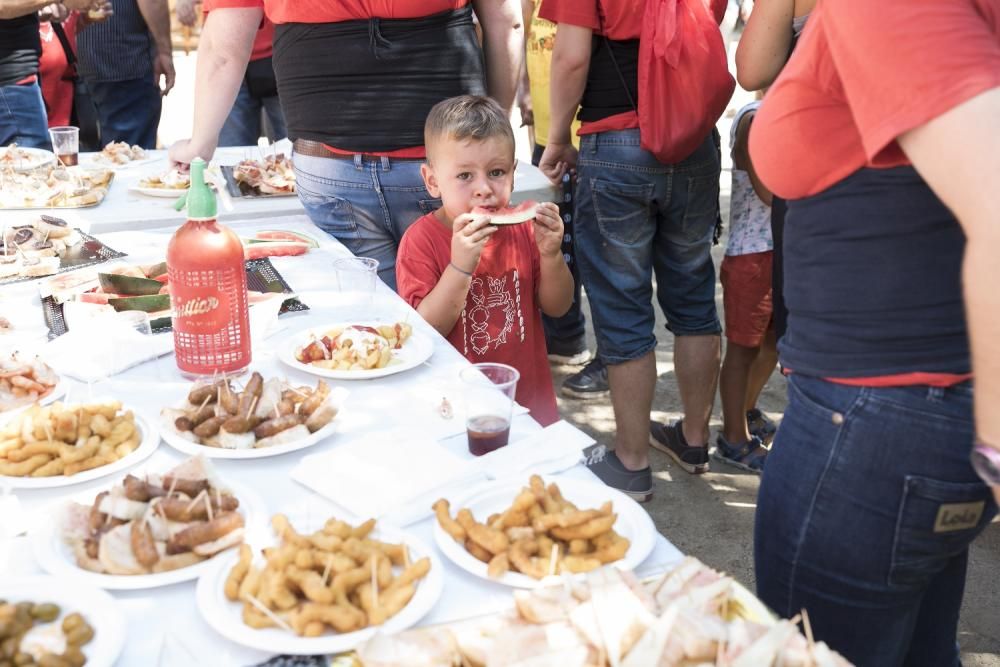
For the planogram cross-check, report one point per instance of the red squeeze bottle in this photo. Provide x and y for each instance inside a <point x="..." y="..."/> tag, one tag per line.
<point x="208" y="289"/>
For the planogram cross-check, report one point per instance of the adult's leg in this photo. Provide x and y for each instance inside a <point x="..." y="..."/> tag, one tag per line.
<point x="22" y="117"/>
<point x="685" y="283"/>
<point x="761" y="369"/>
<point x="863" y="509"/>
<point x="128" y="110"/>
<point x="242" y="126"/>
<point x="632" y="386"/>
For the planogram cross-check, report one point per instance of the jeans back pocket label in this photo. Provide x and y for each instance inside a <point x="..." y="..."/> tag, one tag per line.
<point x="958" y="516"/>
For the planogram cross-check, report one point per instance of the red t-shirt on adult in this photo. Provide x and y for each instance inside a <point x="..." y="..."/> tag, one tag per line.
<point x="831" y="112"/>
<point x="617" y="20"/>
<point x="501" y="321"/>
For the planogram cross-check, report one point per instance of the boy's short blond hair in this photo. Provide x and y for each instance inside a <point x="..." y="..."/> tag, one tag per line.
<point x="467" y="117"/>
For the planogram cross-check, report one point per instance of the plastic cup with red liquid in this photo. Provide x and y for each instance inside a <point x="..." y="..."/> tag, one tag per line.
<point x="488" y="390"/>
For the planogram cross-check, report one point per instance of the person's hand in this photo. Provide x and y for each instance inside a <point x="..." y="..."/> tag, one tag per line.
<point x="469" y="234"/>
<point x="548" y="229"/>
<point x="182" y="152"/>
<point x="80" y="5"/>
<point x="525" y="107"/>
<point x="186" y="15"/>
<point x="557" y="160"/>
<point x="56" y="12"/>
<point x="163" y="66"/>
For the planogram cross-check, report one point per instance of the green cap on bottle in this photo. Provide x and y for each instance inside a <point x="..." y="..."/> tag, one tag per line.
<point x="200" y="198"/>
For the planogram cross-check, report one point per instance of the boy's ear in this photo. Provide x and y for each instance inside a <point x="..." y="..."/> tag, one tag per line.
<point x="430" y="180"/>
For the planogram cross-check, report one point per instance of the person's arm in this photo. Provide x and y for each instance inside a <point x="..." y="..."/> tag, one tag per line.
<point x="958" y="154"/>
<point x="503" y="47"/>
<point x="156" y="14"/>
<point x="555" y="287"/>
<point x="524" y="84"/>
<point x="223" y="53"/>
<point x="567" y="81"/>
<point x="764" y="46"/>
<point x="741" y="158"/>
<point x="186" y="14"/>
<point x="12" y="9"/>
<point x="443" y="305"/>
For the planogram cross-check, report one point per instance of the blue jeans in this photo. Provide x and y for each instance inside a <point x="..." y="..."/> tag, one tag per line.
<point x="22" y="117"/>
<point x="128" y="110"/>
<point x="366" y="203"/>
<point x="864" y="518"/>
<point x="636" y="217"/>
<point x="243" y="124"/>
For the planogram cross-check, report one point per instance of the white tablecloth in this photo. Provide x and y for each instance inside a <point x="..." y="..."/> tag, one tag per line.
<point x="165" y="627"/>
<point x="125" y="209"/>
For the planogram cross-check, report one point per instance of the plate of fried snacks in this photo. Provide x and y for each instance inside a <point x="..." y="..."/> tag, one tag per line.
<point x="519" y="534"/>
<point x="148" y="529"/>
<point x="271" y="176"/>
<point x="54" y="186"/>
<point x="320" y="587"/>
<point x="58" y="622"/>
<point x="689" y="615"/>
<point x="54" y="445"/>
<point x="356" y="350"/>
<point x="25" y="380"/>
<point x="264" y="418"/>
<point x="121" y="154"/>
<point x="171" y="183"/>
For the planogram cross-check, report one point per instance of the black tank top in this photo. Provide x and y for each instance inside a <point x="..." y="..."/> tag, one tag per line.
<point x="612" y="80"/>
<point x="367" y="85"/>
<point x="20" y="48"/>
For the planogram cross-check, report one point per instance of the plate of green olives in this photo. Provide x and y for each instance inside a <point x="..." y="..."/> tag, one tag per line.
<point x="53" y="622"/>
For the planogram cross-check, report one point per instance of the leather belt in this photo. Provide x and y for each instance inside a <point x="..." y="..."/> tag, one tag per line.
<point x="316" y="149"/>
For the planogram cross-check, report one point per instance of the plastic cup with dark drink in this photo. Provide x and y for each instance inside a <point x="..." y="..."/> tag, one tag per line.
<point x="66" y="144"/>
<point x="489" y="398"/>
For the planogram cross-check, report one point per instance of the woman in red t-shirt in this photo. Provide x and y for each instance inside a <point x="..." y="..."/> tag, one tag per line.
<point x="356" y="79"/>
<point x="881" y="134"/>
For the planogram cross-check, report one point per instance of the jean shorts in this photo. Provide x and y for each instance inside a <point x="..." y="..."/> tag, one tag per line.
<point x="637" y="217"/>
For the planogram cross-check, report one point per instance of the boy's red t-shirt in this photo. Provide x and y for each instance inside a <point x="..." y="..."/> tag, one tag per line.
<point x="832" y="112"/>
<point x="501" y="321"/>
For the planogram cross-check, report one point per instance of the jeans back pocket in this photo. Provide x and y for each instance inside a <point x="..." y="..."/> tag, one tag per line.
<point x="937" y="520"/>
<point x="623" y="210"/>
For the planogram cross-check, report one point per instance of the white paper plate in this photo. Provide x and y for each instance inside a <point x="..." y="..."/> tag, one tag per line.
<point x="415" y="351"/>
<point x="56" y="557"/>
<point x="633" y="523"/>
<point x="57" y="392"/>
<point x="225" y="616"/>
<point x="171" y="437"/>
<point x="166" y="193"/>
<point x="148" y="444"/>
<point x="90" y="160"/>
<point x="37" y="157"/>
<point x="97" y="607"/>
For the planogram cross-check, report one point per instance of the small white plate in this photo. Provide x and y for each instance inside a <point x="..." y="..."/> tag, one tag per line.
<point x="633" y="523"/>
<point x="91" y="160"/>
<point x="225" y="616"/>
<point x="175" y="440"/>
<point x="57" y="392"/>
<point x="416" y="350"/>
<point x="148" y="444"/>
<point x="56" y="557"/>
<point x="36" y="157"/>
<point x="97" y="607"/>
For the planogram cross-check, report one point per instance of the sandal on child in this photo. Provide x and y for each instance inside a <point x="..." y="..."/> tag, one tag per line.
<point x="749" y="455"/>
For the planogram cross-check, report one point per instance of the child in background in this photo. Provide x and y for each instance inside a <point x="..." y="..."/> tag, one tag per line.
<point x="482" y="286"/>
<point x="746" y="293"/>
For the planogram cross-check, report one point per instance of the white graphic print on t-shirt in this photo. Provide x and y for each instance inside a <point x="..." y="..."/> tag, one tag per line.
<point x="491" y="311"/>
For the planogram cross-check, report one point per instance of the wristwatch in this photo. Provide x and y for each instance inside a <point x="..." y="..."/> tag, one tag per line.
<point x="986" y="463"/>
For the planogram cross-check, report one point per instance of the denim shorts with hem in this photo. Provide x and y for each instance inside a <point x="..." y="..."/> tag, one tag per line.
<point x="636" y="217"/>
<point x="366" y="203"/>
<point x="864" y="517"/>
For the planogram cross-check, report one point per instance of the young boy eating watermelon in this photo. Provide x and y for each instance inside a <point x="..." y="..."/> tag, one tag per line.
<point x="479" y="272"/>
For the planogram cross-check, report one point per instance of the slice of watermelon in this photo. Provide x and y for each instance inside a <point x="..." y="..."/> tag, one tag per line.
<point x="284" y="235"/>
<point x="117" y="283"/>
<point x="523" y="212"/>
<point x="95" y="297"/>
<point x="155" y="271"/>
<point x="150" y="303"/>
<point x="274" y="249"/>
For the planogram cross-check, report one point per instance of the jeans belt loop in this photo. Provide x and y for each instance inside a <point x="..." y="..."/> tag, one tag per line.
<point x="358" y="162"/>
<point x="385" y="163"/>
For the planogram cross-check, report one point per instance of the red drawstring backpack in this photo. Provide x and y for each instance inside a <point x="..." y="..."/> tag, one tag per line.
<point x="684" y="79"/>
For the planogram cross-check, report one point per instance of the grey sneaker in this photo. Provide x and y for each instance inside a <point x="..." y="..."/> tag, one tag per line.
<point x="670" y="440"/>
<point x="591" y="382"/>
<point x="637" y="484"/>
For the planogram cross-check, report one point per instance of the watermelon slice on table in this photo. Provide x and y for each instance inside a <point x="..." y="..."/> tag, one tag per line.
<point x="261" y="249"/>
<point x="523" y="212"/>
<point x="116" y="283"/>
<point x="284" y="235"/>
